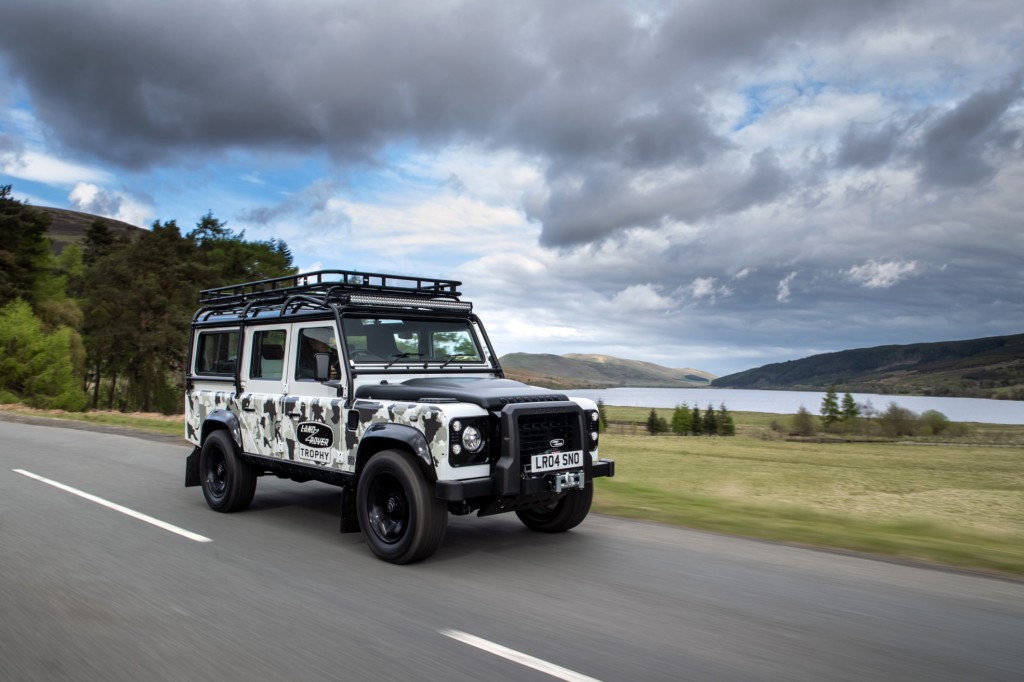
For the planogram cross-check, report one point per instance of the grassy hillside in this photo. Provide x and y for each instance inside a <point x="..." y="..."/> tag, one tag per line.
<point x="69" y="227"/>
<point x="597" y="371"/>
<point x="991" y="367"/>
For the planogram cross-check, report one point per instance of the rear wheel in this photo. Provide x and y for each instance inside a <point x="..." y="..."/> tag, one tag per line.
<point x="402" y="520"/>
<point x="228" y="483"/>
<point x="561" y="515"/>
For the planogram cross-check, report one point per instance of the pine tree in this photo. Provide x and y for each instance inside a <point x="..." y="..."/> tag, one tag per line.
<point x="830" y="413"/>
<point x="726" y="425"/>
<point x="696" y="424"/>
<point x="710" y="426"/>
<point x="655" y="424"/>
<point x="24" y="248"/>
<point x="849" y="410"/>
<point x="681" y="420"/>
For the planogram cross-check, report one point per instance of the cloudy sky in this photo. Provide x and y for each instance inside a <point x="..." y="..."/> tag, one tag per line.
<point x="714" y="184"/>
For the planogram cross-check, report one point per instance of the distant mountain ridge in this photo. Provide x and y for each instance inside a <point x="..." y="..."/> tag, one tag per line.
<point x="991" y="367"/>
<point x="576" y="370"/>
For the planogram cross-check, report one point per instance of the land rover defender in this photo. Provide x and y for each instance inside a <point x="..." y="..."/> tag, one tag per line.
<point x="388" y="387"/>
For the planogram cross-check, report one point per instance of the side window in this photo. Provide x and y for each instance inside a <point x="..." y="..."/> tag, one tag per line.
<point x="313" y="340"/>
<point x="217" y="353"/>
<point x="267" y="355"/>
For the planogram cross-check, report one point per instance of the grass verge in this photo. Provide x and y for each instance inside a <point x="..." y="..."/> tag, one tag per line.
<point x="921" y="540"/>
<point x="170" y="425"/>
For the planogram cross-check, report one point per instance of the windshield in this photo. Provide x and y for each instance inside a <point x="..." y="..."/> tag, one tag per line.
<point x="391" y="340"/>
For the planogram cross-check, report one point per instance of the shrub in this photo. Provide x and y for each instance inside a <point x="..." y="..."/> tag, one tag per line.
<point x="898" y="421"/>
<point x="803" y="423"/>
<point x="934" y="422"/>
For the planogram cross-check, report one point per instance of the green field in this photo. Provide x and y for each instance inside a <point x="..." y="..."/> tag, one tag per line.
<point x="951" y="502"/>
<point x="958" y="502"/>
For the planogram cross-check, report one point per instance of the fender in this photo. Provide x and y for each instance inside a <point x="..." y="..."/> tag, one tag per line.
<point x="381" y="436"/>
<point x="218" y="419"/>
<point x="221" y="418"/>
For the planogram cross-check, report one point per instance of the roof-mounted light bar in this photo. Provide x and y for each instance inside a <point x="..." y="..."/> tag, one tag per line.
<point x="398" y="302"/>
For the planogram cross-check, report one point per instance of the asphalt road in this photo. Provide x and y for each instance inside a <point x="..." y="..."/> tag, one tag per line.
<point x="90" y="593"/>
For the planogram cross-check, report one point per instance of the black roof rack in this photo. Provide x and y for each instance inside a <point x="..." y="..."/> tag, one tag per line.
<point x="328" y="284"/>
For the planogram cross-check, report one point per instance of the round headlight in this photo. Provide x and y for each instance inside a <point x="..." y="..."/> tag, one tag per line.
<point x="472" y="439"/>
<point x="456" y="426"/>
<point x="593" y="435"/>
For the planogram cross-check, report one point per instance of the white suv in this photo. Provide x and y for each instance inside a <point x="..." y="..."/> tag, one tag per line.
<point x="388" y="387"/>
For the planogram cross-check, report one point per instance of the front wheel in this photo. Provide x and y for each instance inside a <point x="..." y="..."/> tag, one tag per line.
<point x="228" y="483"/>
<point x="558" y="517"/>
<point x="402" y="520"/>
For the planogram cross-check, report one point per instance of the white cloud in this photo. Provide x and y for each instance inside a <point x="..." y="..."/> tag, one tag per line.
<point x="90" y="198"/>
<point x="642" y="298"/>
<point x="37" y="167"/>
<point x="882" y="275"/>
<point x="783" y="292"/>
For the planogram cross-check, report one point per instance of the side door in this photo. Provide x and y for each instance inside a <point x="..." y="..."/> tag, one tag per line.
<point x="264" y="388"/>
<point x="314" y="410"/>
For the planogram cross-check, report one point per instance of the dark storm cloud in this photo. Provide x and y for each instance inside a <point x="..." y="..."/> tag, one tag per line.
<point x="865" y="147"/>
<point x="600" y="92"/>
<point x="957" y="147"/>
<point x="764" y="183"/>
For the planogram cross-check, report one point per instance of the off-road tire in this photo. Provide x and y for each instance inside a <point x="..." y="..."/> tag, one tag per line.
<point x="568" y="512"/>
<point x="400" y="517"/>
<point x="228" y="483"/>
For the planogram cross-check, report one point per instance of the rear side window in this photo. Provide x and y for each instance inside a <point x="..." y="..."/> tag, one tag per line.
<point x="267" y="355"/>
<point x="217" y="353"/>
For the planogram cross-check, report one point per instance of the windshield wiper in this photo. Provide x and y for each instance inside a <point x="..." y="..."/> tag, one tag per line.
<point x="402" y="356"/>
<point x="452" y="358"/>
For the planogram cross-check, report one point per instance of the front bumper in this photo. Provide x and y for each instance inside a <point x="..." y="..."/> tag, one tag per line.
<point x="499" y="484"/>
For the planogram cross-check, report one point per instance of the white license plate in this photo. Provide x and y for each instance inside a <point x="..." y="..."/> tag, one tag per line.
<point x="555" y="461"/>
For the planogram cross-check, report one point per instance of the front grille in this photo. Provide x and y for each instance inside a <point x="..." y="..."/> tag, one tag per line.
<point x="536" y="431"/>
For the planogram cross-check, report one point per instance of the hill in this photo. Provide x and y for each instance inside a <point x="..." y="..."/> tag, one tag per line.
<point x="69" y="227"/>
<point x="597" y="371"/>
<point x="991" y="367"/>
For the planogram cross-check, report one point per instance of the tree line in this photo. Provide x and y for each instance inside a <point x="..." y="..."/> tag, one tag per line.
<point x="690" y="421"/>
<point x="846" y="416"/>
<point x="106" y="323"/>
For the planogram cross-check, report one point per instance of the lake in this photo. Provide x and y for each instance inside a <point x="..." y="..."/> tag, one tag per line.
<point x="789" y="402"/>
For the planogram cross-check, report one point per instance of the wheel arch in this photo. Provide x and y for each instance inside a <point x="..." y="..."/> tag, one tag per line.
<point x="222" y="419"/>
<point x="386" y="436"/>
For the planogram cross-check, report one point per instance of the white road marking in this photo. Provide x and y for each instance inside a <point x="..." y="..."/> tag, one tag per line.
<point x="520" y="658"/>
<point x="116" y="507"/>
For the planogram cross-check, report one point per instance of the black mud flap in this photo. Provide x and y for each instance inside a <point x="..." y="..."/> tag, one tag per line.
<point x="349" y="519"/>
<point x="192" y="469"/>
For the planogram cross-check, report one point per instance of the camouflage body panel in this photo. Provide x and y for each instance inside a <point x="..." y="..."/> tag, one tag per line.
<point x="281" y="427"/>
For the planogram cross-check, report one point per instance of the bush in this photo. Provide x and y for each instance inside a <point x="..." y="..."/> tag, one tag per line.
<point x="803" y="423"/>
<point x="934" y="422"/>
<point x="898" y="421"/>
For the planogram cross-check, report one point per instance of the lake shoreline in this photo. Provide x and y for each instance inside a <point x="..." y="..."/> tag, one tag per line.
<point x="772" y="401"/>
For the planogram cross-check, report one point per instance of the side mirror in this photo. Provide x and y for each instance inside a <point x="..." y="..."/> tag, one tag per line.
<point x="322" y="366"/>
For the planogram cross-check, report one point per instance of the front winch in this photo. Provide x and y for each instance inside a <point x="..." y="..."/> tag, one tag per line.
<point x="568" y="480"/>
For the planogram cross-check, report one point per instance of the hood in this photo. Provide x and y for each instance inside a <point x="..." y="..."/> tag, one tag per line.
<point x="490" y="394"/>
